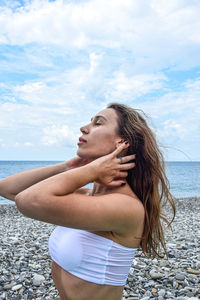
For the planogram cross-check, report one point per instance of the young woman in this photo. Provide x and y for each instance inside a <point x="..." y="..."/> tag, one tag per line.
<point x="99" y="230"/>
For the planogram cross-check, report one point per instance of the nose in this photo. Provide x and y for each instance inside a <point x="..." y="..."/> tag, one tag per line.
<point x="84" y="129"/>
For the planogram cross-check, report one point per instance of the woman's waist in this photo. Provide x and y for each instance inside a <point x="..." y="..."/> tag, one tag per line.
<point x="76" y="288"/>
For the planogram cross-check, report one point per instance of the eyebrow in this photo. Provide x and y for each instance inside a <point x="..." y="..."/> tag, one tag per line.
<point x="99" y="116"/>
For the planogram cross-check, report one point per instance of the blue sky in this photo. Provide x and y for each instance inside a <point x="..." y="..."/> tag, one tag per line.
<point x="63" y="61"/>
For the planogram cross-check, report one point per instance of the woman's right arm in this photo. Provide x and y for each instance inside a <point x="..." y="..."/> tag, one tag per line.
<point x="14" y="184"/>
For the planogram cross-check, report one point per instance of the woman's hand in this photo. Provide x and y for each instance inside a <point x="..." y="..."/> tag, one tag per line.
<point x="76" y="162"/>
<point x="111" y="170"/>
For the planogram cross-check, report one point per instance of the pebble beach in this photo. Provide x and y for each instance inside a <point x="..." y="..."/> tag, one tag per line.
<point x="25" y="266"/>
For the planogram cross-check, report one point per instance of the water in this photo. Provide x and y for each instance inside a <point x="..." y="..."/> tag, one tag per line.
<point x="8" y="168"/>
<point x="184" y="177"/>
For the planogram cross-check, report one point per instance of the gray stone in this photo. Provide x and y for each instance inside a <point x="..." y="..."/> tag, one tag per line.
<point x="155" y="275"/>
<point x="180" y="277"/>
<point x="161" y="293"/>
<point x="17" y="287"/>
<point x="148" y="293"/>
<point x="8" y="286"/>
<point x="190" y="294"/>
<point x="3" y="296"/>
<point x="38" y="279"/>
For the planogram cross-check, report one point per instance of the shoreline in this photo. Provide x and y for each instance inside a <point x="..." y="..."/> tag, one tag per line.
<point x="25" y="265"/>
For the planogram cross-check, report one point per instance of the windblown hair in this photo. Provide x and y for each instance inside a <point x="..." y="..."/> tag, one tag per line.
<point x="147" y="179"/>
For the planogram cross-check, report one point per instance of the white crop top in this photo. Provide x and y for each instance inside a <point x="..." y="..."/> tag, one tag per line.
<point x="90" y="257"/>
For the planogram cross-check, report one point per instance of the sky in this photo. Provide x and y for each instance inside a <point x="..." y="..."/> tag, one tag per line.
<point x="61" y="62"/>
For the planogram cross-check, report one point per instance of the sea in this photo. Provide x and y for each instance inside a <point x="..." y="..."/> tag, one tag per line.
<point x="184" y="177"/>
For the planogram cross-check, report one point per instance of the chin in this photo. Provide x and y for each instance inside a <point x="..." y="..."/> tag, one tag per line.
<point x="83" y="154"/>
<point x="87" y="155"/>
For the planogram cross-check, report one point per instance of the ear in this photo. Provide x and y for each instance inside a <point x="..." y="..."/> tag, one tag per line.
<point x="119" y="142"/>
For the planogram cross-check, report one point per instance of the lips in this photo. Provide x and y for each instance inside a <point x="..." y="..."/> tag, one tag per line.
<point x="82" y="140"/>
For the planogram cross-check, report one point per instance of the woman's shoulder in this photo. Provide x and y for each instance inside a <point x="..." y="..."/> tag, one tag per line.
<point x="135" y="212"/>
<point x="127" y="196"/>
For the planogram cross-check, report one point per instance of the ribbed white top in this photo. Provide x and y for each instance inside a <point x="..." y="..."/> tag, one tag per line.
<point x="91" y="257"/>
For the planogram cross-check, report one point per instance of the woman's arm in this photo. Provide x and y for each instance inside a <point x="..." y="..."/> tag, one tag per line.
<point x="14" y="184"/>
<point x="105" y="169"/>
<point x="54" y="201"/>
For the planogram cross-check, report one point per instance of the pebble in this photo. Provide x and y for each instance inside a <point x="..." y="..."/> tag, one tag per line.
<point x="17" y="287"/>
<point x="25" y="265"/>
<point x="180" y="277"/>
<point x="8" y="286"/>
<point x="161" y="293"/>
<point x="155" y="275"/>
<point x="38" y="279"/>
<point x="192" y="271"/>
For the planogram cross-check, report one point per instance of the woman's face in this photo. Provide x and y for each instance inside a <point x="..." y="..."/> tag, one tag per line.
<point x="99" y="137"/>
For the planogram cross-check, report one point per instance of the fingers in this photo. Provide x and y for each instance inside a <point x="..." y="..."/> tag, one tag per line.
<point x="119" y="166"/>
<point x="120" y="148"/>
<point x="122" y="174"/>
<point x="123" y="159"/>
<point x="124" y="163"/>
<point x="127" y="166"/>
<point x="127" y="158"/>
<point x="117" y="183"/>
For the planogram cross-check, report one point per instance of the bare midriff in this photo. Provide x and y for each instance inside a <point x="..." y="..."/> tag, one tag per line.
<point x="71" y="287"/>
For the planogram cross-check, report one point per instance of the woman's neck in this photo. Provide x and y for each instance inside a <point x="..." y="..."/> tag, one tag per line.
<point x="100" y="189"/>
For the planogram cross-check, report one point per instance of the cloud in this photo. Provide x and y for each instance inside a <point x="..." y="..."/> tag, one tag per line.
<point x="28" y="144"/>
<point x="175" y="118"/>
<point x="58" y="136"/>
<point x="94" y="61"/>
<point x="183" y="103"/>
<point x="56" y="103"/>
<point x="121" y="86"/>
<point x="2" y="143"/>
<point x="62" y="61"/>
<point x="178" y="129"/>
<point x="145" y="28"/>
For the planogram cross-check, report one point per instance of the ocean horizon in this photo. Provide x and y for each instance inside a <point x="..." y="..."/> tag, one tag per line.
<point x="183" y="176"/>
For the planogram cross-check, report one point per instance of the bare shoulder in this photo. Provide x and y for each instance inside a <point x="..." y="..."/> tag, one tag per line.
<point x="133" y="206"/>
<point x="120" y="208"/>
<point x="137" y="206"/>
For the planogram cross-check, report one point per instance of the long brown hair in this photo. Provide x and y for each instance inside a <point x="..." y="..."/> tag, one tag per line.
<point x="147" y="179"/>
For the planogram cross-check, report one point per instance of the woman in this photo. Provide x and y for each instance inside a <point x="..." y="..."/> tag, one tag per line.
<point x="99" y="230"/>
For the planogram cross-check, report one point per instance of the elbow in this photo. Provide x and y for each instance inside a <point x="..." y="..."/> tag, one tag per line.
<point x="26" y="203"/>
<point x="19" y="201"/>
